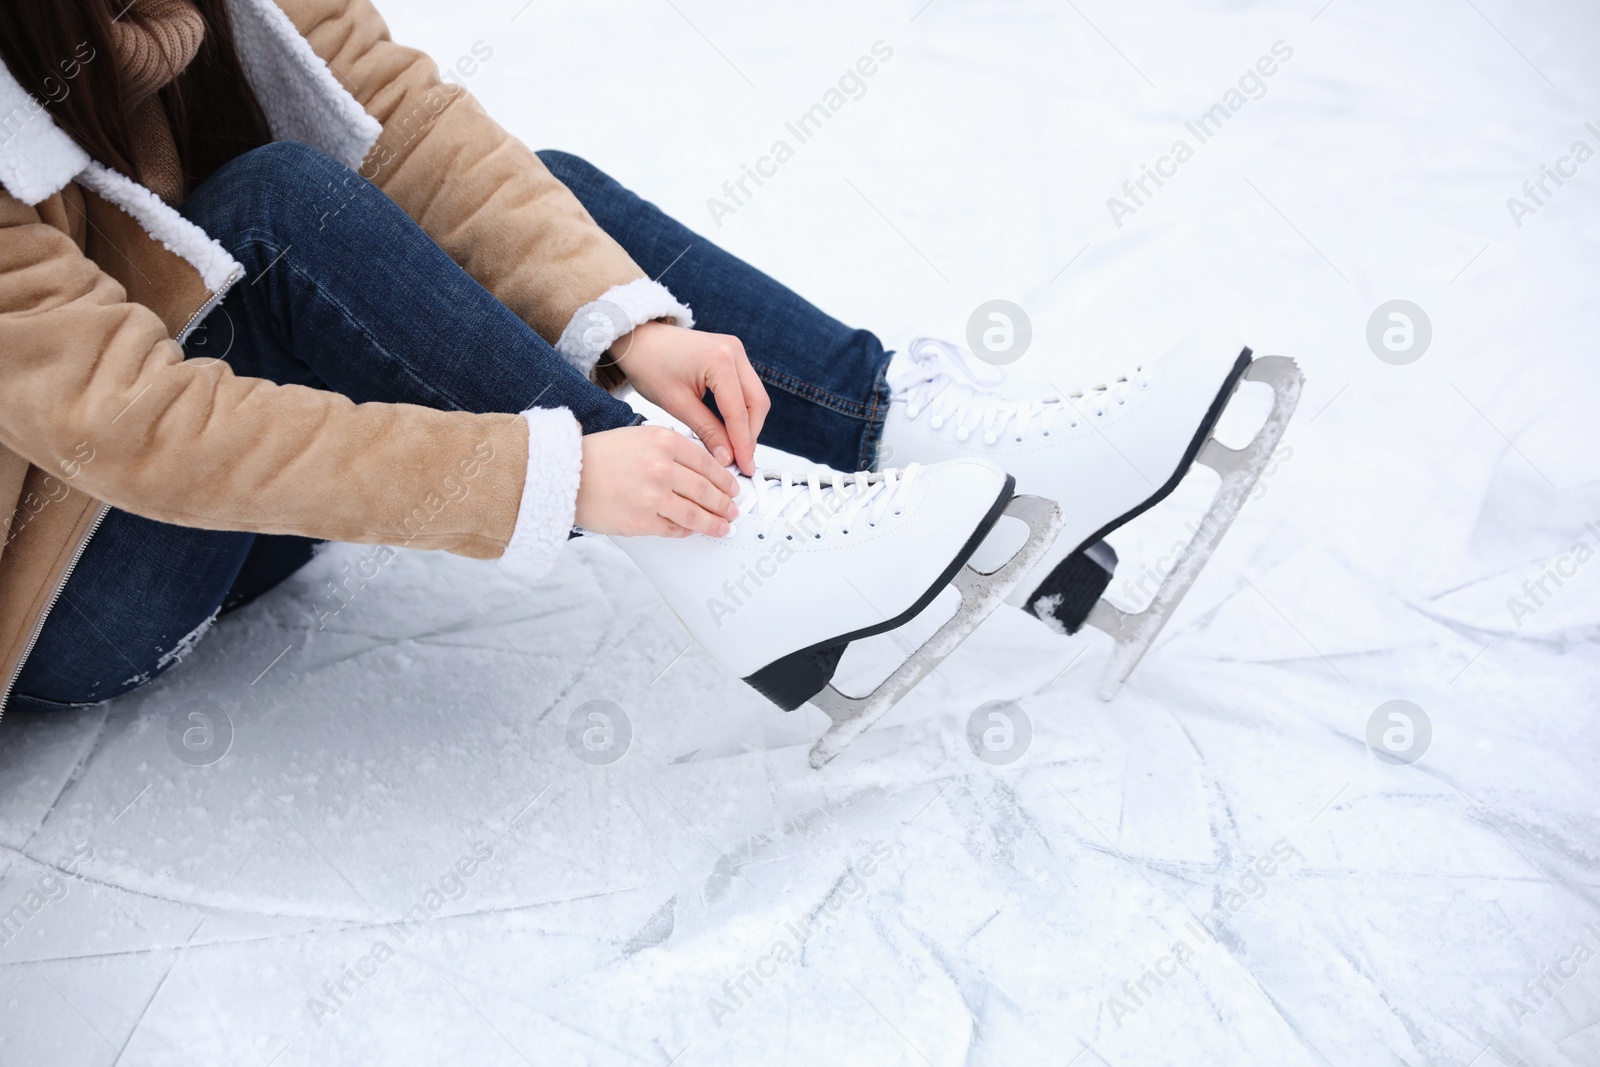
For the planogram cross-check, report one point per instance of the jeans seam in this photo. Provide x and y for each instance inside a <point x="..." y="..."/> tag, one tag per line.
<point x="821" y="397"/>
<point x="875" y="421"/>
<point x="22" y="700"/>
<point x="355" y="323"/>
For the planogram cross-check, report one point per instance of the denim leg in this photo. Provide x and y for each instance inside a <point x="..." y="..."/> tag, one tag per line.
<point x="342" y="291"/>
<point x="141" y="588"/>
<point x="272" y="558"/>
<point x="825" y="379"/>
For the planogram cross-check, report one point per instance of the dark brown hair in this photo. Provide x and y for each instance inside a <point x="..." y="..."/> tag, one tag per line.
<point x="61" y="52"/>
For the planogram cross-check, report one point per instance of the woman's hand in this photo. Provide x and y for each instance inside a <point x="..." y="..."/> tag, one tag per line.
<point x="651" y="480"/>
<point x="675" y="368"/>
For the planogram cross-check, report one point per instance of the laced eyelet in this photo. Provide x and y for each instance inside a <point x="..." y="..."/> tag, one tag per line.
<point x="937" y="424"/>
<point x="990" y="439"/>
<point x="963" y="435"/>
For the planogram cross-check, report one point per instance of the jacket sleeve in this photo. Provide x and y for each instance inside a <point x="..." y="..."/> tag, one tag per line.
<point x="88" y="377"/>
<point x="482" y="195"/>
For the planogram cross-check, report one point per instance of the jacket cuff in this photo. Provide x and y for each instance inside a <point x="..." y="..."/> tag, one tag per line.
<point x="549" y="495"/>
<point x="596" y="326"/>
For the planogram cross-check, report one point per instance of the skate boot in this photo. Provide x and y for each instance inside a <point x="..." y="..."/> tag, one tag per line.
<point x="1105" y="453"/>
<point x="818" y="559"/>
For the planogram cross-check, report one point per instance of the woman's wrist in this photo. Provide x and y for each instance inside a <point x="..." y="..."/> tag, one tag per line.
<point x="596" y="326"/>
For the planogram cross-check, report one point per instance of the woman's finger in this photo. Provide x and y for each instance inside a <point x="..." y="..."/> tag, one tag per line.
<point x="667" y="528"/>
<point x="699" y="460"/>
<point x="729" y="392"/>
<point x="693" y="517"/>
<point x="706" y="426"/>
<point x="756" y="399"/>
<point x="697" y="489"/>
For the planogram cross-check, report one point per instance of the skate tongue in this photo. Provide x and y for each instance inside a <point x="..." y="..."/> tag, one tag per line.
<point x="932" y="363"/>
<point x="793" y="504"/>
<point x="942" y="379"/>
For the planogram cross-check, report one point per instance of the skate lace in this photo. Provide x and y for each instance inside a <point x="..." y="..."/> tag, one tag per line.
<point x="946" y="383"/>
<point x="807" y="503"/>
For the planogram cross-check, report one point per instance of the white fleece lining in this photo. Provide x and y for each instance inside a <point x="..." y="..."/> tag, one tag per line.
<point x="549" y="495"/>
<point x="177" y="234"/>
<point x="37" y="157"/>
<point x="302" y="99"/>
<point x="596" y="326"/>
<point x="299" y="94"/>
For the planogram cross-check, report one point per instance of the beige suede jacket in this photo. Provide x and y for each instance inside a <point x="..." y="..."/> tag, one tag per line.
<point x="100" y="280"/>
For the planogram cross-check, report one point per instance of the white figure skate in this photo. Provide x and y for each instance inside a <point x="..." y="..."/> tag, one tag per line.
<point x="819" y="559"/>
<point x="1105" y="453"/>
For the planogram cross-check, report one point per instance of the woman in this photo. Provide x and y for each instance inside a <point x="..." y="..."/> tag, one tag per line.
<point x="401" y="327"/>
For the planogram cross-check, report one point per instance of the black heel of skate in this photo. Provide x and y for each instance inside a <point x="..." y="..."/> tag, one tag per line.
<point x="1067" y="595"/>
<point x="794" y="679"/>
<point x="797" y="677"/>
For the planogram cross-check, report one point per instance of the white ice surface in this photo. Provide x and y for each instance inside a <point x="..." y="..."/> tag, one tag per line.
<point x="1418" y="907"/>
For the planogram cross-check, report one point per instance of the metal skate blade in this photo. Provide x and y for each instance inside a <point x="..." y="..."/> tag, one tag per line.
<point x="980" y="594"/>
<point x="1239" y="468"/>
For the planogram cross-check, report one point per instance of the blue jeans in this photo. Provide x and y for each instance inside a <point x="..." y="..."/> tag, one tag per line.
<point x="343" y="291"/>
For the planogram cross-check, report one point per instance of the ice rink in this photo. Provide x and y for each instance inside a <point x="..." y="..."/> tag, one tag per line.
<point x="401" y="860"/>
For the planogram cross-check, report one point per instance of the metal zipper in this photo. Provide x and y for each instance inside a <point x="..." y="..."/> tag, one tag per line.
<point x="210" y="305"/>
<point x="61" y="586"/>
<point x="83" y="546"/>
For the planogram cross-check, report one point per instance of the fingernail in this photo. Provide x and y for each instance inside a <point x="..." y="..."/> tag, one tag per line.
<point x="722" y="456"/>
<point x="723" y="529"/>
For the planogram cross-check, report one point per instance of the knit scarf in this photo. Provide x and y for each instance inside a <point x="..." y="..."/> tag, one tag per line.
<point x="154" y="41"/>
